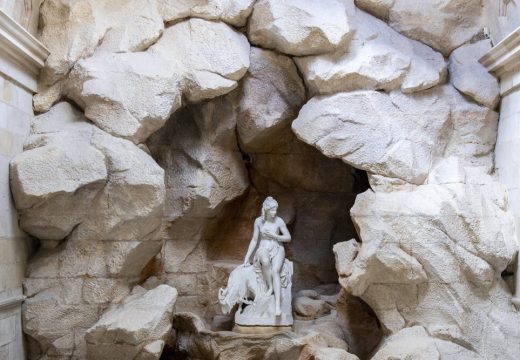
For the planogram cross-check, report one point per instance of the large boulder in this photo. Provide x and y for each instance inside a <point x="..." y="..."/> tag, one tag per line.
<point x="271" y="95"/>
<point x="377" y="58"/>
<point x="470" y="77"/>
<point x="73" y="30"/>
<point x="433" y="256"/>
<point x="96" y="203"/>
<point x="297" y="27"/>
<point x="399" y="135"/>
<point x="439" y="24"/>
<point x="415" y="343"/>
<point x="133" y="329"/>
<point x="233" y="12"/>
<point x="131" y="95"/>
<point x="74" y="178"/>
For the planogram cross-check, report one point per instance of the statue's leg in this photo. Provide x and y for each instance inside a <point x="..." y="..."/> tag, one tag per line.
<point x="266" y="271"/>
<point x="277" y="267"/>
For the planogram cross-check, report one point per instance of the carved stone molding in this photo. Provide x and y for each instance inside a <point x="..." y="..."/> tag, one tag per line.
<point x="503" y="60"/>
<point x="11" y="302"/>
<point x="22" y="55"/>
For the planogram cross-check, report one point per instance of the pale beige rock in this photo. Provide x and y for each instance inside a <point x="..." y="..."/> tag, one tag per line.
<point x="308" y="308"/>
<point x="134" y="329"/>
<point x="233" y="12"/>
<point x="333" y="354"/>
<point x="107" y="231"/>
<point x="94" y="170"/>
<point x="438" y="24"/>
<point x="49" y="323"/>
<point x="380" y="133"/>
<point x="433" y="257"/>
<point x="131" y="95"/>
<point x="196" y="342"/>
<point x="344" y="253"/>
<point x="471" y="78"/>
<point x="73" y="30"/>
<point x="151" y="351"/>
<point x="377" y="58"/>
<point x="299" y="27"/>
<point x="415" y="343"/>
<point x="271" y="95"/>
<point x="201" y="141"/>
<point x="212" y="56"/>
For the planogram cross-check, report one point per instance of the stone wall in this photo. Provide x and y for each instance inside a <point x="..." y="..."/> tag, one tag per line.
<point x="17" y="85"/>
<point x="15" y="115"/>
<point x="164" y="125"/>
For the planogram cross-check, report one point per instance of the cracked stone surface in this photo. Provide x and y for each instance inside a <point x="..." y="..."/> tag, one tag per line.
<point x="299" y="27"/>
<point x="380" y="133"/>
<point x="131" y="95"/>
<point x="378" y="58"/>
<point x="434" y="23"/>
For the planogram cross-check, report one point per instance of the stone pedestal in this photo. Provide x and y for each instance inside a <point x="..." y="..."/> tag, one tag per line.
<point x="503" y="60"/>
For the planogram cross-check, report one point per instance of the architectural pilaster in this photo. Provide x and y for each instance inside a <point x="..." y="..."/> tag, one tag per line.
<point x="503" y="60"/>
<point x="21" y="58"/>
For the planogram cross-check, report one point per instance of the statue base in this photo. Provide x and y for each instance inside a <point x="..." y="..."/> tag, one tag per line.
<point x="243" y="329"/>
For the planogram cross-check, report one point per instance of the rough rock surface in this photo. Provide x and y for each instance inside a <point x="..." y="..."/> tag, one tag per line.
<point x="299" y="27"/>
<point x="204" y="171"/>
<point x="196" y="342"/>
<point x="134" y="328"/>
<point x="96" y="204"/>
<point x="415" y="343"/>
<point x="73" y="30"/>
<point x="433" y="257"/>
<point x="131" y="95"/>
<point x="233" y="12"/>
<point x="271" y="95"/>
<point x="438" y="24"/>
<point x="74" y="179"/>
<point x="399" y="135"/>
<point x="470" y="77"/>
<point x="377" y="58"/>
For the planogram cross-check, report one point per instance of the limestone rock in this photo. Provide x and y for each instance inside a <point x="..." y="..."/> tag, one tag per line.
<point x="72" y="30"/>
<point x="74" y="176"/>
<point x="134" y="329"/>
<point x="232" y="12"/>
<point x="201" y="141"/>
<point x="415" y="343"/>
<point x="470" y="77"/>
<point x="308" y="308"/>
<point x="128" y="95"/>
<point x="272" y="93"/>
<point x="344" y="253"/>
<point x="438" y="24"/>
<point x="95" y="234"/>
<point x="333" y="354"/>
<point x="196" y="342"/>
<point x="433" y="257"/>
<point x="380" y="133"/>
<point x="298" y="27"/>
<point x="378" y="58"/>
<point x="131" y="95"/>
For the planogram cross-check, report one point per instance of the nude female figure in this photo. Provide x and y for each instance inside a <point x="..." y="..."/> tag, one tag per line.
<point x="272" y="232"/>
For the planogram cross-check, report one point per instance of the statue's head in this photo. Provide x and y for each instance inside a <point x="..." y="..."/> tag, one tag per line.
<point x="269" y="204"/>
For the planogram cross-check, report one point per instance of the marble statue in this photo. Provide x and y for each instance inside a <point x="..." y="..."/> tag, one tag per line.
<point x="262" y="290"/>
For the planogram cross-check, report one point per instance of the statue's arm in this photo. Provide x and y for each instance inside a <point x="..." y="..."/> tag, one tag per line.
<point x="252" y="244"/>
<point x="286" y="236"/>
